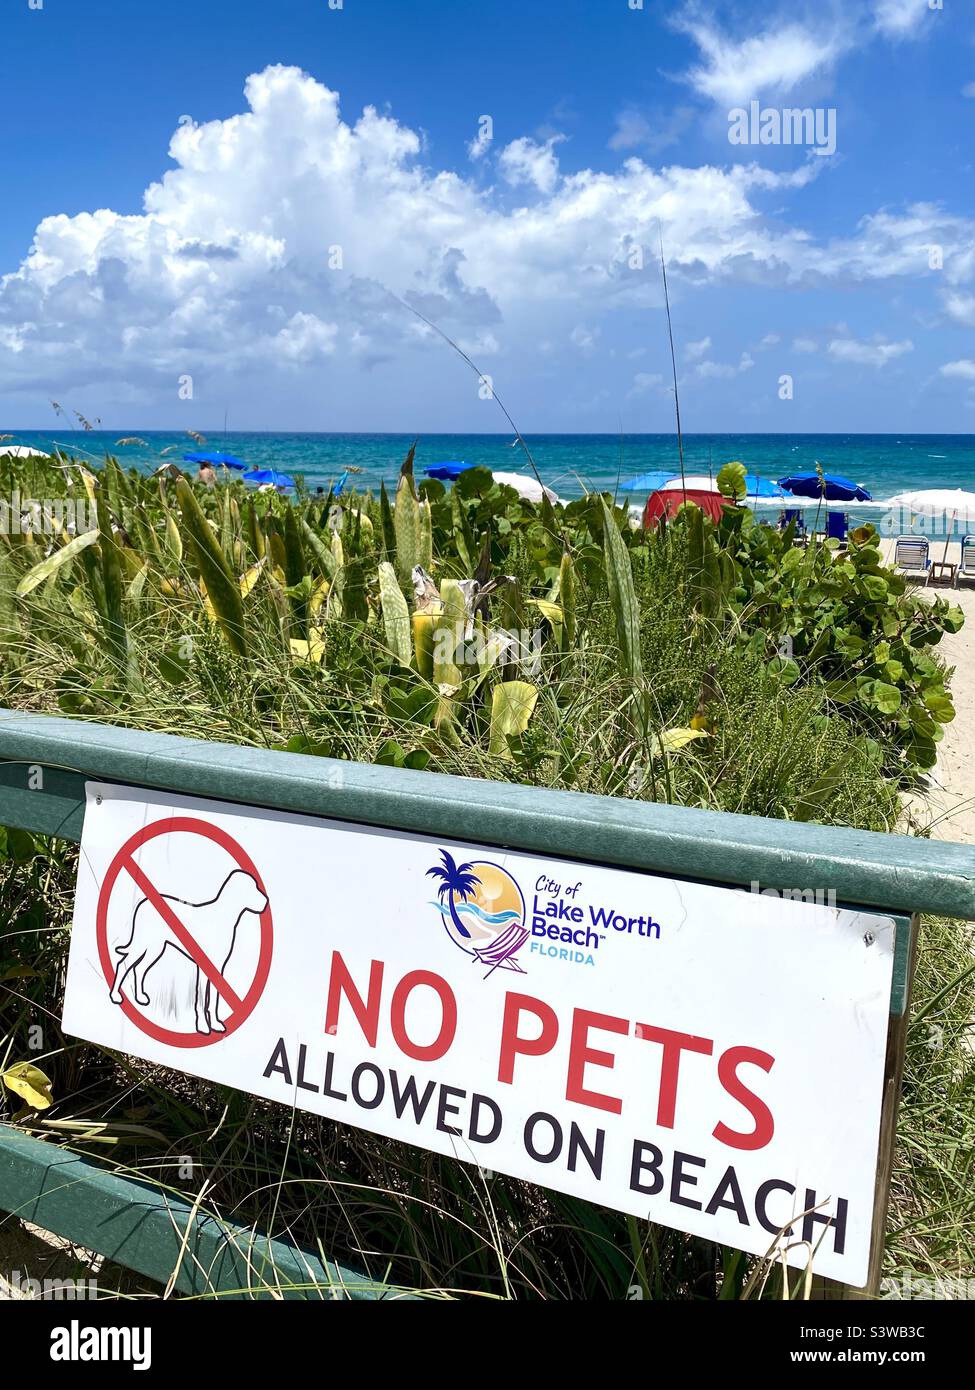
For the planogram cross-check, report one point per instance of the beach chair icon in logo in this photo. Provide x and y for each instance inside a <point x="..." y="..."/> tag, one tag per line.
<point x="483" y="911"/>
<point x="502" y="951"/>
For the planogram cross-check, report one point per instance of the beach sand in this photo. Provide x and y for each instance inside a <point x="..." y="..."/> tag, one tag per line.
<point x="947" y="807"/>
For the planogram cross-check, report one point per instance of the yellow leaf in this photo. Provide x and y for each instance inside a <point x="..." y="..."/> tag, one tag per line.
<point x="249" y="579"/>
<point x="318" y="597"/>
<point x="208" y="605"/>
<point x="312" y="650"/>
<point x="30" y="1084"/>
<point x="551" y="611"/>
<point x="512" y="706"/>
<point x="423" y="643"/>
<point x="673" y="739"/>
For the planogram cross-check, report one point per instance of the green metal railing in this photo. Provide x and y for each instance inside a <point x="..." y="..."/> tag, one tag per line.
<point x="136" y="1224"/>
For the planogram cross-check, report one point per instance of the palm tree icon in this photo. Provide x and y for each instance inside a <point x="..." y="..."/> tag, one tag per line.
<point x="459" y="881"/>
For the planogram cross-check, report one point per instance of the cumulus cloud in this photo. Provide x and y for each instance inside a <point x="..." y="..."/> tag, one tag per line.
<point x="479" y="146"/>
<point x="774" y="61"/>
<point x="724" y="371"/>
<point x="286" y="235"/>
<point x="960" y="307"/>
<point x="698" y="349"/>
<point x="583" y="337"/>
<point x="645" y="382"/>
<point x="963" y="370"/>
<point x="900" y="18"/>
<point x="635" y="130"/>
<point x="787" y="51"/>
<point x="525" y="161"/>
<point x="868" y="354"/>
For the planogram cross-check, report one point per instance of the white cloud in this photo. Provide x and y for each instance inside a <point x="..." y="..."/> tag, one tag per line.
<point x="968" y="90"/>
<point x="233" y="264"/>
<point x="698" y="349"/>
<point x="524" y="161"/>
<point x="304" y="336"/>
<point x="788" y="52"/>
<point x="632" y="130"/>
<point x="774" y="61"/>
<point x="479" y="146"/>
<point x="583" y="337"/>
<point x="964" y="369"/>
<point x="899" y="18"/>
<point x="805" y="345"/>
<point x="637" y="131"/>
<point x="724" y="371"/>
<point x="770" y="340"/>
<point x="644" y="382"/>
<point x="961" y="308"/>
<point x="868" y="354"/>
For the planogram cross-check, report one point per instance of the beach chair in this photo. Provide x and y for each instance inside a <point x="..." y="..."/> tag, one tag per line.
<point x="793" y="515"/>
<point x="966" y="566"/>
<point x="837" y="526"/>
<point x="912" y="556"/>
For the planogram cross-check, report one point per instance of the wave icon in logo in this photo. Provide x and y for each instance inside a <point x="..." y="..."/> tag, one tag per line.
<point x="483" y="911"/>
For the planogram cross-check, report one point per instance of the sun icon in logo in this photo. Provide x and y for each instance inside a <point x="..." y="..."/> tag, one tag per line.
<point x="483" y="911"/>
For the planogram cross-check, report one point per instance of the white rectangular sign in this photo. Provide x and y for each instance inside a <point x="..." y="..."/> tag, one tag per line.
<point x="706" y="1058"/>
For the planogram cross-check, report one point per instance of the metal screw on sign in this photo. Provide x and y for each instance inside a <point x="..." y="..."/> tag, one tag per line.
<point x="869" y="938"/>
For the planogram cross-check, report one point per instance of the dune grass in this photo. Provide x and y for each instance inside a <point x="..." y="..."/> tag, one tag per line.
<point x="272" y="626"/>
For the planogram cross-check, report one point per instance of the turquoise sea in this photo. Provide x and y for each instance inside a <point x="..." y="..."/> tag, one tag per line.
<point x="569" y="463"/>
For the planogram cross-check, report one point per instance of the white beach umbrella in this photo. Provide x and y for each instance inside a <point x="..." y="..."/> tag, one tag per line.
<point x="954" y="504"/>
<point x="22" y="451"/>
<point x="694" y="482"/>
<point x="529" y="488"/>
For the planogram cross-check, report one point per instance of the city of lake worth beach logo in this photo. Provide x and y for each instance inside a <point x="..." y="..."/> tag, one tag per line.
<point x="483" y="911"/>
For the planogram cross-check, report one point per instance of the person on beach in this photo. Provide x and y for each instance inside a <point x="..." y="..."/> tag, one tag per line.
<point x="207" y="475"/>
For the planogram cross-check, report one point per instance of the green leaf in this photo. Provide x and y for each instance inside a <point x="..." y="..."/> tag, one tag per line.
<point x="55" y="562"/>
<point x="940" y="705"/>
<point x="408" y="529"/>
<point x="173" y="666"/>
<point x="392" y="754"/>
<point x="327" y="563"/>
<point x="622" y="594"/>
<point x="881" y="696"/>
<point x="223" y="588"/>
<point x="732" y="480"/>
<point x="396" y="615"/>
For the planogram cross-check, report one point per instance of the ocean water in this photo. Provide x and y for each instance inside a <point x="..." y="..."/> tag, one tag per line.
<point x="570" y="463"/>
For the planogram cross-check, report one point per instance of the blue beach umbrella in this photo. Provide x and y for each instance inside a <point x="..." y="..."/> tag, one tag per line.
<point x="761" y="487"/>
<point x="649" y="482"/>
<point x="261" y="476"/>
<point x="224" y="460"/>
<point x="832" y="487"/>
<point x="447" y="472"/>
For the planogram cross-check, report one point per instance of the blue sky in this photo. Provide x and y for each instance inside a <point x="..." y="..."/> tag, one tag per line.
<point x="200" y="218"/>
